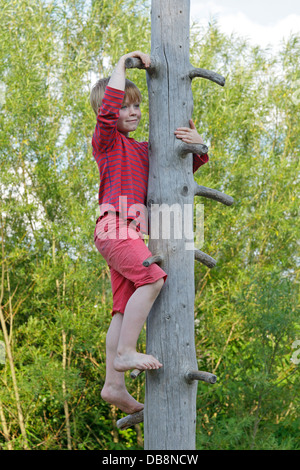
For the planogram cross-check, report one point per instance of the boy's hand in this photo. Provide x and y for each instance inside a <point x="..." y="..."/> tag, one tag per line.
<point x="117" y="79"/>
<point x="189" y="135"/>
<point x="145" y="58"/>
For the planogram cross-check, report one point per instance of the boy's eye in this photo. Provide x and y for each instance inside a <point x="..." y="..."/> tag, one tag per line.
<point x="125" y="106"/>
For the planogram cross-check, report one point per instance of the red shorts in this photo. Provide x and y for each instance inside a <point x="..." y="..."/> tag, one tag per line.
<point x="124" y="249"/>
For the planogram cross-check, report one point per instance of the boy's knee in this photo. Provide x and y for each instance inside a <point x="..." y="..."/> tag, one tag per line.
<point x="154" y="288"/>
<point x="158" y="285"/>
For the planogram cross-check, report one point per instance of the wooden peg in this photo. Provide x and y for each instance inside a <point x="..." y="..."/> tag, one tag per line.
<point x="205" y="259"/>
<point x="135" y="373"/>
<point x="213" y="194"/>
<point x="130" y="420"/>
<point x="136" y="63"/>
<point x="153" y="259"/>
<point x="208" y="74"/>
<point x="200" y="375"/>
<point x="185" y="149"/>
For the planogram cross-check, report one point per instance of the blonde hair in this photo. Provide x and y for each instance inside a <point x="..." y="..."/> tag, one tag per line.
<point x="132" y="93"/>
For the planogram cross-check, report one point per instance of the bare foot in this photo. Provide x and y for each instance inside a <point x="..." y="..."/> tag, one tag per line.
<point x="121" y="399"/>
<point x="135" y="360"/>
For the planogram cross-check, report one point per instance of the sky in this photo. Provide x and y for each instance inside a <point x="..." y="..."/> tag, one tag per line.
<point x="262" y="22"/>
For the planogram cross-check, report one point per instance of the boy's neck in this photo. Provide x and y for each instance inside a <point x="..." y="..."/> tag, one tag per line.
<point x="126" y="134"/>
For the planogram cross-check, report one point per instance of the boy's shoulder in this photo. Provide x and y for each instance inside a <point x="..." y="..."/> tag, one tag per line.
<point x="136" y="143"/>
<point x="131" y="147"/>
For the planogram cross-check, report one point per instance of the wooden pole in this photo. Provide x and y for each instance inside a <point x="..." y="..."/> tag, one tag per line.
<point x="170" y="401"/>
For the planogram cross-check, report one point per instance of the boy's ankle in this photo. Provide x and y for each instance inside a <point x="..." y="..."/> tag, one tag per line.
<point x="125" y="352"/>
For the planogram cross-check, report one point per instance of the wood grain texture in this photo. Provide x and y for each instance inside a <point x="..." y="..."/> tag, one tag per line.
<point x="213" y="194"/>
<point x="130" y="420"/>
<point x="170" y="402"/>
<point x="170" y="394"/>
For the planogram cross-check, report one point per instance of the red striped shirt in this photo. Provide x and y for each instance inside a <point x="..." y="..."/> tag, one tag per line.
<point x="123" y="163"/>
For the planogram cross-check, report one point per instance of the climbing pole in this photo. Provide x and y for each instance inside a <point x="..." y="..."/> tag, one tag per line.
<point x="170" y="396"/>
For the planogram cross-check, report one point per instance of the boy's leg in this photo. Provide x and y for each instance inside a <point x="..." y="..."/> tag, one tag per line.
<point x="134" y="287"/>
<point x="135" y="315"/>
<point x="114" y="390"/>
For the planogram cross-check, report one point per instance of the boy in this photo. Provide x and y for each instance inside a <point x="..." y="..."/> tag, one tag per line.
<point x="123" y="166"/>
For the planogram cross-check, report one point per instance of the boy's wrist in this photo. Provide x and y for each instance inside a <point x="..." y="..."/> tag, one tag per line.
<point x="121" y="62"/>
<point x="117" y="79"/>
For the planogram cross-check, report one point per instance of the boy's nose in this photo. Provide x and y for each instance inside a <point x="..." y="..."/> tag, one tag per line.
<point x="132" y="110"/>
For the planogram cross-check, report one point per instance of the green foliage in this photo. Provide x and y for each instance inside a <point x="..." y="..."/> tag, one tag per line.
<point x="56" y="286"/>
<point x="56" y="290"/>
<point x="247" y="306"/>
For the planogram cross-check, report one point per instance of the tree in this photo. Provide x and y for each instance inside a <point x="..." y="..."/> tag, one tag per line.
<point x="248" y="302"/>
<point x="56" y="296"/>
<point x="54" y="285"/>
<point x="170" y="326"/>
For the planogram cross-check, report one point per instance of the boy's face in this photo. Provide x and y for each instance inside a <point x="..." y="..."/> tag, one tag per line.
<point x="129" y="118"/>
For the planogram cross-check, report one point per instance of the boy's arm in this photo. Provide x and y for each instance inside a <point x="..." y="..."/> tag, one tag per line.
<point x="106" y="127"/>
<point x="104" y="137"/>
<point x="117" y="79"/>
<point x="199" y="160"/>
<point x="191" y="136"/>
